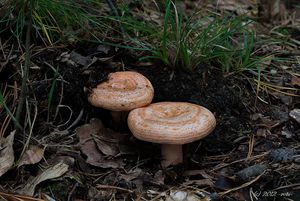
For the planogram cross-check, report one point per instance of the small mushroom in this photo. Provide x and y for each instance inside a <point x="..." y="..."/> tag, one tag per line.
<point x="171" y="124"/>
<point x="123" y="91"/>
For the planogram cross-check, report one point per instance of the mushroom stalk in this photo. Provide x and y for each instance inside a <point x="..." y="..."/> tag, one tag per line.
<point x="118" y="117"/>
<point x="171" y="154"/>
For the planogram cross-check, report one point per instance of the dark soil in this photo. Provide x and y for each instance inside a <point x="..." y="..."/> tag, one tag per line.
<point x="244" y="126"/>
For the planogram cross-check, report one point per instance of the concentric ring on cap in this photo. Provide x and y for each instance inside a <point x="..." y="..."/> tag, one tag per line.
<point x="171" y="122"/>
<point x="123" y="91"/>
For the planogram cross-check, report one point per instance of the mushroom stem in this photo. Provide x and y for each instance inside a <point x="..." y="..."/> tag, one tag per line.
<point x="171" y="154"/>
<point x="118" y="117"/>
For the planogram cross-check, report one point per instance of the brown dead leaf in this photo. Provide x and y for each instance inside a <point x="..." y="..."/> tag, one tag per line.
<point x="89" y="148"/>
<point x="7" y="153"/>
<point x="262" y="132"/>
<point x="159" y="177"/>
<point x="106" y="147"/>
<point x="104" y="48"/>
<point x="133" y="174"/>
<point x="256" y="116"/>
<point x="108" y="141"/>
<point x="99" y="194"/>
<point x="81" y="60"/>
<point x="64" y="159"/>
<point x="295" y="81"/>
<point x="51" y="173"/>
<point x="32" y="155"/>
<point x="239" y="6"/>
<point x="111" y="143"/>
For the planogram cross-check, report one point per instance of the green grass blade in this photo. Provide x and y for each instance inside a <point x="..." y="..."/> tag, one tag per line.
<point x="2" y="103"/>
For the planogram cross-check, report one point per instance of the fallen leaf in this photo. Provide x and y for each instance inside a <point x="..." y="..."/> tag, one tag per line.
<point x="81" y="60"/>
<point x="32" y="155"/>
<point x="159" y="177"/>
<point x="295" y="114"/>
<point x="107" y="148"/>
<point x="7" y="153"/>
<point x="98" y="194"/>
<point x="65" y="57"/>
<point x="64" y="159"/>
<point x="262" y="132"/>
<point x="89" y="147"/>
<point x="51" y="173"/>
<point x="224" y="183"/>
<point x="103" y="49"/>
<point x="248" y="173"/>
<point x="111" y="143"/>
<point x="239" y="6"/>
<point x="287" y="133"/>
<point x="282" y="155"/>
<point x="256" y="116"/>
<point x="133" y="174"/>
<point x="295" y="81"/>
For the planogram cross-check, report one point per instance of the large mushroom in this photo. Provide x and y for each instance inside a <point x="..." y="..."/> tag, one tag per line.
<point x="171" y="124"/>
<point x="123" y="91"/>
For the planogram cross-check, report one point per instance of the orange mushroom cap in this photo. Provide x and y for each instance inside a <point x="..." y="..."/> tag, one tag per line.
<point x="171" y="122"/>
<point x="123" y="91"/>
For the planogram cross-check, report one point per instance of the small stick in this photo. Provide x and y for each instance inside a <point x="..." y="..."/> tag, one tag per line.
<point x="72" y="191"/>
<point x="287" y="186"/>
<point x="240" y="160"/>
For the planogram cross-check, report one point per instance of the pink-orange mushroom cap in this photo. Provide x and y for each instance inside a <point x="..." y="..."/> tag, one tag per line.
<point x="171" y="124"/>
<point x="123" y="91"/>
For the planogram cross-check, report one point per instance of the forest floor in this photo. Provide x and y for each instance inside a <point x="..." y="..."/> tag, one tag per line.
<point x="75" y="151"/>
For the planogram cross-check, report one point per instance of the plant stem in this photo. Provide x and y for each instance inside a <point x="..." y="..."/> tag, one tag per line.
<point x="116" y="14"/>
<point x="23" y="92"/>
<point x="171" y="154"/>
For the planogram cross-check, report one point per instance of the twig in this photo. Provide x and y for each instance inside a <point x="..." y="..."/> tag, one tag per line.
<point x="287" y="186"/>
<point x="240" y="160"/>
<point x="251" y="145"/>
<point x="76" y="120"/>
<point x="72" y="191"/>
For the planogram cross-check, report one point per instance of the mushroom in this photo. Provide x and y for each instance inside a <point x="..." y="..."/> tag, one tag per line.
<point x="123" y="91"/>
<point x="171" y="124"/>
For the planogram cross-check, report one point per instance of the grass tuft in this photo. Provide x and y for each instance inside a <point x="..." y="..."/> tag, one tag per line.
<point x="8" y="111"/>
<point x="185" y="42"/>
<point x="54" y="19"/>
